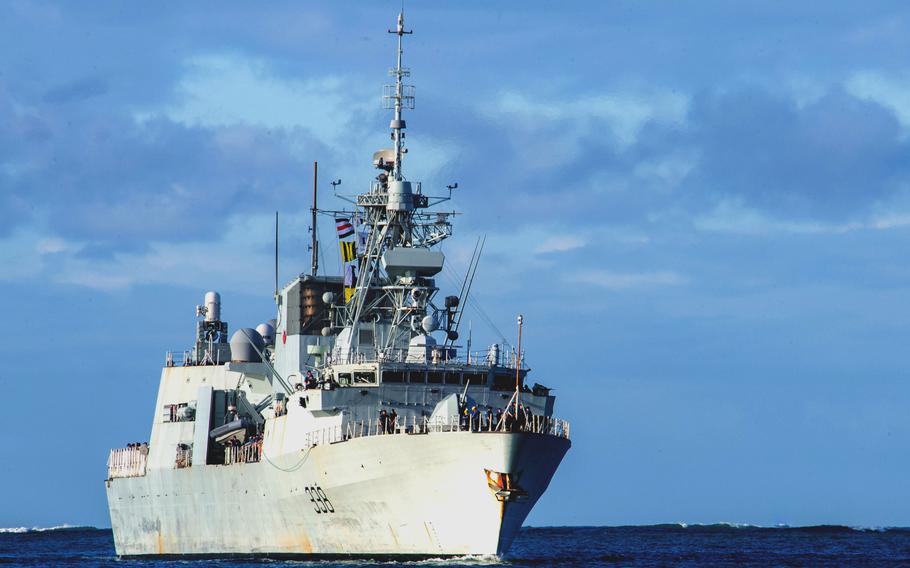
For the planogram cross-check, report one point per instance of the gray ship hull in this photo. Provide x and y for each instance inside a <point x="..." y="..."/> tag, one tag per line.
<point x="421" y="495"/>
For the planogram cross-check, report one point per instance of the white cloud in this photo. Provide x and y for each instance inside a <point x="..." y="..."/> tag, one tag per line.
<point x="560" y="243"/>
<point x="732" y="216"/>
<point x="892" y="92"/>
<point x="627" y="280"/>
<point x="626" y="113"/>
<point x="231" y="89"/>
<point x="890" y="221"/>
<point x="668" y="170"/>
<point x="804" y="90"/>
<point x="240" y="260"/>
<point x="219" y="91"/>
<point x="52" y="245"/>
<point x="18" y="255"/>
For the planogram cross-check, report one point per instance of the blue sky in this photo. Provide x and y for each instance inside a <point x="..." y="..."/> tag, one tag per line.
<point x="702" y="210"/>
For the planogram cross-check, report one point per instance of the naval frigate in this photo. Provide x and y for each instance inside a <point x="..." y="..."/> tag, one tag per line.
<point x="352" y="424"/>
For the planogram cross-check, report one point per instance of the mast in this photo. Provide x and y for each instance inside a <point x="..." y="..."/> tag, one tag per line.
<point x="404" y="95"/>
<point x="314" y="245"/>
<point x="395" y="266"/>
<point x="518" y="366"/>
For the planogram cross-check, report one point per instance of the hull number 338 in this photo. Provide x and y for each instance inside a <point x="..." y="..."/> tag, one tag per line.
<point x="321" y="503"/>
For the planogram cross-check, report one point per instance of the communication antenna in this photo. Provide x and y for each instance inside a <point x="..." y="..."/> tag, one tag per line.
<point x="469" y="280"/>
<point x="470" y="333"/>
<point x="397" y="97"/>
<point x="518" y="365"/>
<point x="276" y="256"/>
<point x="314" y="245"/>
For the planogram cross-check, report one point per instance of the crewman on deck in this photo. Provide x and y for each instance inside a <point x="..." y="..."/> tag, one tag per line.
<point x="393" y="419"/>
<point x="309" y="381"/>
<point x="383" y="420"/>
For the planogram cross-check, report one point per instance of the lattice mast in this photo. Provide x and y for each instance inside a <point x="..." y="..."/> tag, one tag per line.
<point x="393" y="216"/>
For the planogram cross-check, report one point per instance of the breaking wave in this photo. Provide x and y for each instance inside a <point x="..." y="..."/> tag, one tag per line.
<point x="23" y="530"/>
<point x="477" y="560"/>
<point x="729" y="526"/>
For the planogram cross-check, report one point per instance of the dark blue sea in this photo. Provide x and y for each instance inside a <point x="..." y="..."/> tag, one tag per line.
<point x="659" y="545"/>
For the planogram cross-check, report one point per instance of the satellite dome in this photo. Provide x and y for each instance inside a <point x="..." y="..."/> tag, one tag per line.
<point x="267" y="332"/>
<point x="242" y="342"/>
<point x="428" y="323"/>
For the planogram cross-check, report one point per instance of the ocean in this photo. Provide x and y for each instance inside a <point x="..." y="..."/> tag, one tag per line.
<point x="658" y="545"/>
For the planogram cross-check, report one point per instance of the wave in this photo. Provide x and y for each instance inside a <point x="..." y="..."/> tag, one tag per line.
<point x="730" y="526"/>
<point x="64" y="527"/>
<point x="805" y="528"/>
<point x="471" y="559"/>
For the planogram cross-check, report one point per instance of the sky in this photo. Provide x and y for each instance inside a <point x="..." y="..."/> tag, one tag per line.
<point x="702" y="210"/>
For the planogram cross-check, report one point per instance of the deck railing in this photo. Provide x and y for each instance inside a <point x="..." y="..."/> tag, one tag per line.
<point x="177" y="358"/>
<point x="249" y="453"/>
<point x="505" y="358"/>
<point x="127" y="462"/>
<point x="361" y="429"/>
<point x="131" y="462"/>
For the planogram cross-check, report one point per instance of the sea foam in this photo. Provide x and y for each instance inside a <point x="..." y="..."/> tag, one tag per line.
<point x="64" y="527"/>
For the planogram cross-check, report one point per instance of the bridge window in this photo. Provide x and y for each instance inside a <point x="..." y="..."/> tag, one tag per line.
<point x="434" y="377"/>
<point x="503" y="382"/>
<point x="393" y="376"/>
<point x="453" y="378"/>
<point x="364" y="377"/>
<point x="476" y="379"/>
<point x="416" y="377"/>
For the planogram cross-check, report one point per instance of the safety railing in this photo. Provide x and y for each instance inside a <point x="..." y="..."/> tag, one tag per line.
<point x="247" y="453"/>
<point x="501" y="357"/>
<point x="187" y="358"/>
<point x="127" y="462"/>
<point x="176" y="358"/>
<point x="546" y="425"/>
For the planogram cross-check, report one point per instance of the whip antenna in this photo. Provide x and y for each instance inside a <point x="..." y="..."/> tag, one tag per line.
<point x="276" y="256"/>
<point x="314" y="243"/>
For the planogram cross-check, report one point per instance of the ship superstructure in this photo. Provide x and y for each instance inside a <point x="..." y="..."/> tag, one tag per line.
<point x="353" y="424"/>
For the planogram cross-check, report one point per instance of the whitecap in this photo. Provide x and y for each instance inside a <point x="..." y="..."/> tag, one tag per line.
<point x="63" y="527"/>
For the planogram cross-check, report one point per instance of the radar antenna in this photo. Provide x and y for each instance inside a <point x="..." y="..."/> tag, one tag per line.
<point x="398" y="97"/>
